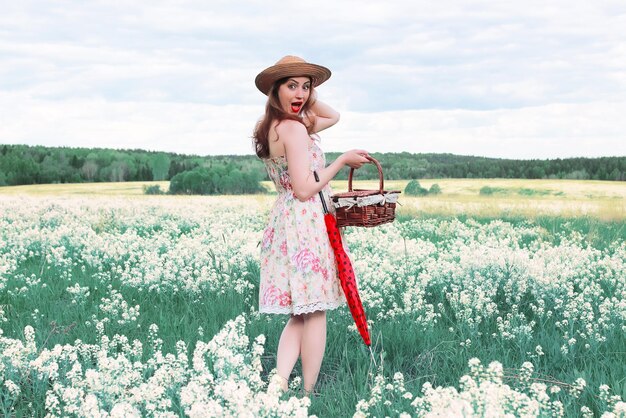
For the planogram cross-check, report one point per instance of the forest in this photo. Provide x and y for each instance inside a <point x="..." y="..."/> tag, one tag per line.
<point x="23" y="164"/>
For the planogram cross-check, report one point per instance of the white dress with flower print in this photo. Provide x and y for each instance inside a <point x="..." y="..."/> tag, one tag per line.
<point x="298" y="267"/>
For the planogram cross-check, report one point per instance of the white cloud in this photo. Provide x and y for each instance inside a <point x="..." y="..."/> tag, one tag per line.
<point x="558" y="130"/>
<point x="551" y="131"/>
<point x="491" y="72"/>
<point x="183" y="128"/>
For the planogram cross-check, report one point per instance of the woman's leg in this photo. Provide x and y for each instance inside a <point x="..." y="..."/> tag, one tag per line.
<point x="289" y="348"/>
<point x="313" y="347"/>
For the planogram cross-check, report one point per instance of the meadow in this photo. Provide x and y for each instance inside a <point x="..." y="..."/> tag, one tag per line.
<point x="603" y="200"/>
<point x="117" y="304"/>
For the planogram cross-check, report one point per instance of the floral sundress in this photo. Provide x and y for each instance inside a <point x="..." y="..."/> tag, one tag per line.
<point x="298" y="267"/>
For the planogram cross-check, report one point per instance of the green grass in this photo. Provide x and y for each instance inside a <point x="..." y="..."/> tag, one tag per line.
<point x="598" y="233"/>
<point x="434" y="355"/>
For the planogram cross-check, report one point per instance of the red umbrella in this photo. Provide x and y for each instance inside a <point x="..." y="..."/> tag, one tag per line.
<point x="346" y="273"/>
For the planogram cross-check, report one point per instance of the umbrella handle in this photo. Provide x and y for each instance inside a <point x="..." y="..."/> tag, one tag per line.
<point x="317" y="179"/>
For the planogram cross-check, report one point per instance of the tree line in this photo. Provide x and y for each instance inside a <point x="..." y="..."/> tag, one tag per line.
<point x="407" y="166"/>
<point x="22" y="164"/>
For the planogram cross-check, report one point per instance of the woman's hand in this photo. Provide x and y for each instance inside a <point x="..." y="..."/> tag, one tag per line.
<point x="355" y="158"/>
<point x="323" y="116"/>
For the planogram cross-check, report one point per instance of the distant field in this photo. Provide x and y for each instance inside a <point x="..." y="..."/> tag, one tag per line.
<point x="125" y="188"/>
<point x="512" y="197"/>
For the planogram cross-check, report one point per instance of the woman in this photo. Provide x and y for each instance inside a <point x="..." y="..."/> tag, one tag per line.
<point x="298" y="270"/>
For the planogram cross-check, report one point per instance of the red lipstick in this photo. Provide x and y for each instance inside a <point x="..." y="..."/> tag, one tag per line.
<point x="296" y="106"/>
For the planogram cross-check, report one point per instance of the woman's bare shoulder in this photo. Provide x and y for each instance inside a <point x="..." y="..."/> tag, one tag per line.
<point x="290" y="128"/>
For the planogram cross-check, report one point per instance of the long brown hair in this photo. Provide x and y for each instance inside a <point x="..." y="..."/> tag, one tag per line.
<point x="273" y="111"/>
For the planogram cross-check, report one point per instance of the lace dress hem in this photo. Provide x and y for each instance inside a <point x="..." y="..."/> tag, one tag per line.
<point x="301" y="309"/>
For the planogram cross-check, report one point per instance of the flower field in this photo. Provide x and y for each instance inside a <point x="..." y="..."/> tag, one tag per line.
<point x="137" y="306"/>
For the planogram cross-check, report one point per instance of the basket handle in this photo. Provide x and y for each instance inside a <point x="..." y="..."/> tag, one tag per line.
<point x="380" y="174"/>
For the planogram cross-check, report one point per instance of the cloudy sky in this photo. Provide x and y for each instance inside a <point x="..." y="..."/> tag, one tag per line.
<point x="514" y="79"/>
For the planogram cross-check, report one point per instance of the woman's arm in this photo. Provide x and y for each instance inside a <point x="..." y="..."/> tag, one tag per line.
<point x="296" y="141"/>
<point x="324" y="116"/>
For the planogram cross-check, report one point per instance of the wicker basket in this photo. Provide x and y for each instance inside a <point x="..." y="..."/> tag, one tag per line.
<point x="365" y="207"/>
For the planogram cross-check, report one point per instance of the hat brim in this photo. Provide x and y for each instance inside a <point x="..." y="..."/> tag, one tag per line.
<point x="266" y="78"/>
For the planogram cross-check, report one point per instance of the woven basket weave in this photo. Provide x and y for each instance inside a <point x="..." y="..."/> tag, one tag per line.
<point x="366" y="215"/>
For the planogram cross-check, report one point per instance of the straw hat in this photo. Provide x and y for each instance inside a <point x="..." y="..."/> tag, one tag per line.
<point x="290" y="66"/>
